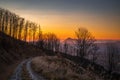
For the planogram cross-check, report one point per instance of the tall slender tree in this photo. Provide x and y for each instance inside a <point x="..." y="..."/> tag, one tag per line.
<point x="26" y="30"/>
<point x="21" y="27"/>
<point x="34" y="31"/>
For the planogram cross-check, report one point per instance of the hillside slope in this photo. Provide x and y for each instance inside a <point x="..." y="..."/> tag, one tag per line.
<point x="13" y="51"/>
<point x="59" y="68"/>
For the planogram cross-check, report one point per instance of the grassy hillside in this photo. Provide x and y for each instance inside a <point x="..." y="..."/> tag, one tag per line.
<point x="58" y="68"/>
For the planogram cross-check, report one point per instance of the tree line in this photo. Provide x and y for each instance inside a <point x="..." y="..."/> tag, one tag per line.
<point x="17" y="27"/>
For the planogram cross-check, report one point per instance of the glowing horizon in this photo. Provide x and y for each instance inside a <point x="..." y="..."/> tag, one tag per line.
<point x="63" y="17"/>
<point x="63" y="31"/>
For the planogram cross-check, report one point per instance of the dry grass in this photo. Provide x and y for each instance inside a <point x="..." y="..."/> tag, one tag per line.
<point x="56" y="68"/>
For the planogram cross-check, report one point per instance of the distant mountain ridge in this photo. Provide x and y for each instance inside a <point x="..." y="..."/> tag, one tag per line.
<point x="97" y="40"/>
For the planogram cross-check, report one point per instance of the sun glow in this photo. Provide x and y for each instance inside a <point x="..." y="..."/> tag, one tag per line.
<point x="64" y="25"/>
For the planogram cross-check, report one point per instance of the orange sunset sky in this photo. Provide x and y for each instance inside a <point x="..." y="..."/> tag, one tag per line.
<point x="63" y="17"/>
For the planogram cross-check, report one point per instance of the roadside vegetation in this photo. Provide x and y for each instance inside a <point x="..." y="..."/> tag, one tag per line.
<point x="58" y="68"/>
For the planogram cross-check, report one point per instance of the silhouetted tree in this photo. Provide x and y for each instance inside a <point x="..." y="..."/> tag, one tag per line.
<point x="6" y="21"/>
<point x="40" y="39"/>
<point x="56" y="45"/>
<point x="51" y="42"/>
<point x="93" y="52"/>
<point x="30" y="31"/>
<point x="40" y="33"/>
<point x="65" y="47"/>
<point x="1" y="17"/>
<point x="84" y="41"/>
<point x="112" y="51"/>
<point x="26" y="31"/>
<point x="34" y="28"/>
<point x="20" y="28"/>
<point x="11" y="25"/>
<point x="3" y="21"/>
<point x="14" y="26"/>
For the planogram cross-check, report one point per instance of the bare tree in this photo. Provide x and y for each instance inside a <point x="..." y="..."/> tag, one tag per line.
<point x="84" y="41"/>
<point x="51" y="42"/>
<point x="94" y="52"/>
<point x="40" y="33"/>
<point x="112" y="51"/>
<point x="14" y="26"/>
<point x="11" y="25"/>
<point x="56" y="44"/>
<point x="34" y="31"/>
<point x="26" y="30"/>
<point x="1" y="19"/>
<point x="20" y="28"/>
<point x="30" y="31"/>
<point x="6" y="21"/>
<point x="65" y="47"/>
<point x="40" y="38"/>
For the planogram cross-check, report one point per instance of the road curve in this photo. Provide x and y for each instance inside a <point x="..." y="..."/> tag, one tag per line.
<point x="32" y="74"/>
<point x="18" y="71"/>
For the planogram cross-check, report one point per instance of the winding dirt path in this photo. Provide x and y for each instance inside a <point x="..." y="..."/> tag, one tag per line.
<point x="18" y="71"/>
